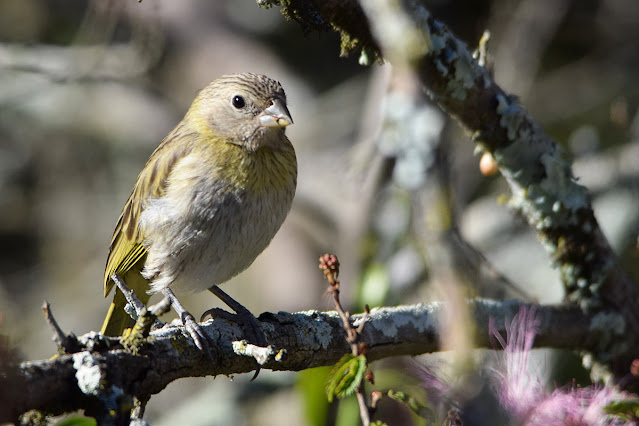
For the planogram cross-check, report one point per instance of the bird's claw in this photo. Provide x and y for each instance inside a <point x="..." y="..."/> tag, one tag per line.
<point x="197" y="333"/>
<point x="250" y="325"/>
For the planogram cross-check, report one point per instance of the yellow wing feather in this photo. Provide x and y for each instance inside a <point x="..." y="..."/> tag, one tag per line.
<point x="127" y="252"/>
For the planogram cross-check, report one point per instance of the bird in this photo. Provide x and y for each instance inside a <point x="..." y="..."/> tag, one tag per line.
<point x="209" y="200"/>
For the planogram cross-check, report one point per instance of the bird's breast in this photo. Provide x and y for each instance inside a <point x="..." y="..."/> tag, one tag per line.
<point x="216" y="217"/>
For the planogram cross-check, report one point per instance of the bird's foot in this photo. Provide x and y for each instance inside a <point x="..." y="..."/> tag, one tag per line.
<point x="194" y="329"/>
<point x="197" y="333"/>
<point x="243" y="317"/>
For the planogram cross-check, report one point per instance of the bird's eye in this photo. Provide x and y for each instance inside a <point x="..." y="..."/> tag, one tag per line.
<point x="238" y="102"/>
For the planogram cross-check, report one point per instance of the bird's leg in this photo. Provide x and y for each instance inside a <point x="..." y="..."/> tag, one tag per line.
<point x="130" y="296"/>
<point x="243" y="317"/>
<point x="194" y="329"/>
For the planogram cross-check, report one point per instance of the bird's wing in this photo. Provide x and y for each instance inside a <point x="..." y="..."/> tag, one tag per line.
<point x="127" y="247"/>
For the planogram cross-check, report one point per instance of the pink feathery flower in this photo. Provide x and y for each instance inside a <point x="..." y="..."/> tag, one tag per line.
<point x="521" y="388"/>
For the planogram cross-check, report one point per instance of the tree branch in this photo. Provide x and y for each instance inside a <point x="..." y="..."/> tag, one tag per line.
<point x="103" y="375"/>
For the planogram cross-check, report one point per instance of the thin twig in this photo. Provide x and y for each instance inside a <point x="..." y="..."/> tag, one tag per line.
<point x="329" y="264"/>
<point x="66" y="343"/>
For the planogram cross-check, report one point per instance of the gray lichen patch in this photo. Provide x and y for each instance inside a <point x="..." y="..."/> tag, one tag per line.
<point x="388" y="321"/>
<point x="89" y="374"/>
<point x="453" y="60"/>
<point x="322" y="333"/>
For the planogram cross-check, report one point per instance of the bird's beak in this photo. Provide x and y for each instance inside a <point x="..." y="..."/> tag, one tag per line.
<point x="276" y="115"/>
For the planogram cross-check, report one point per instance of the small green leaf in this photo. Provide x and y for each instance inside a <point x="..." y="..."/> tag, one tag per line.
<point x="336" y="375"/>
<point x="345" y="376"/>
<point x="354" y="377"/>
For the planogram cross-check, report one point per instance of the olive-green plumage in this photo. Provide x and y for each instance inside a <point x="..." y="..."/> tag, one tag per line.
<point x="210" y="198"/>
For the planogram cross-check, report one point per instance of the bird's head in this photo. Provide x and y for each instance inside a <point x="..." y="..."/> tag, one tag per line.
<point x="244" y="109"/>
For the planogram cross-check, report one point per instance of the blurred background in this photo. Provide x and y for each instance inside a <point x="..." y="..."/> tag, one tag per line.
<point x="386" y="181"/>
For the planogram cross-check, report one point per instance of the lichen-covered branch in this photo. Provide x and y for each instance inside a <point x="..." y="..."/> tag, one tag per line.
<point x="103" y="377"/>
<point x="544" y="189"/>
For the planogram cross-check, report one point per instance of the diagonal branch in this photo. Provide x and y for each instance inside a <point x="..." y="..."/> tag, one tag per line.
<point x="540" y="177"/>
